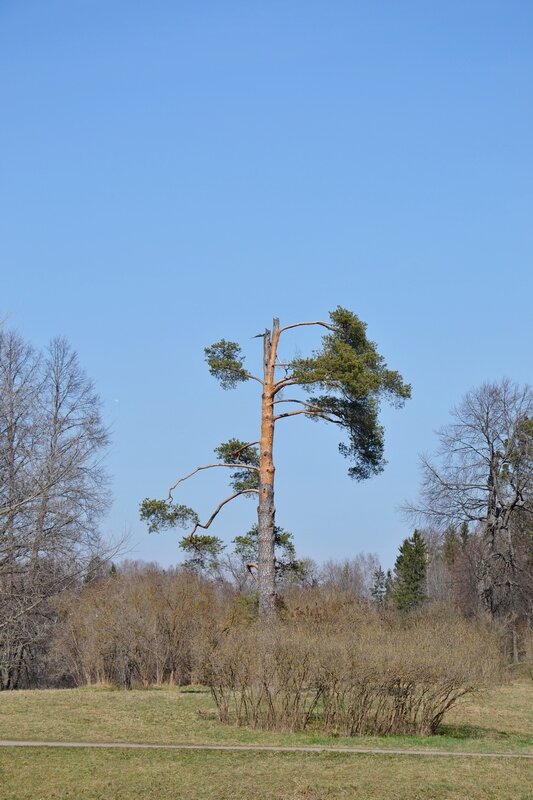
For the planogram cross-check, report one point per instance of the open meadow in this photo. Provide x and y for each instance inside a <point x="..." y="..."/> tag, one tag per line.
<point x="499" y="721"/>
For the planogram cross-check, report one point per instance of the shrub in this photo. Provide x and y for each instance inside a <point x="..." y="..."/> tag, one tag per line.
<point x="353" y="672"/>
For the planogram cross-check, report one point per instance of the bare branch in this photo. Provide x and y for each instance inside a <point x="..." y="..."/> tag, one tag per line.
<point x="62" y="583"/>
<point x="319" y="414"/>
<point x="283" y="382"/>
<point x="209" y="466"/>
<point x="301" y="324"/>
<point x="254" y="378"/>
<point x="310" y="406"/>
<point x="220" y="506"/>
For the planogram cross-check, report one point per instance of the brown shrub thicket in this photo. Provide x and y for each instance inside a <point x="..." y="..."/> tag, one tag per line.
<point x="134" y="627"/>
<point x="333" y="663"/>
<point x="343" y="668"/>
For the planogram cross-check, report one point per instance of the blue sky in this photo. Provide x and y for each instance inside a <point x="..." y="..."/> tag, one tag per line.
<point x="174" y="172"/>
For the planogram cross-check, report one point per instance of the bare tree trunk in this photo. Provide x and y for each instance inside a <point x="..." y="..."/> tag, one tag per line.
<point x="514" y="642"/>
<point x="266" y="510"/>
<point x="498" y="575"/>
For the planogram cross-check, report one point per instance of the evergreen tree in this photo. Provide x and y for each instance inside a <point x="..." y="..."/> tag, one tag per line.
<point x="286" y="563"/>
<point x="203" y="553"/>
<point x="410" y="573"/>
<point x="389" y="585"/>
<point x="451" y="545"/>
<point x="379" y="586"/>
<point x="342" y="383"/>
<point x="464" y="534"/>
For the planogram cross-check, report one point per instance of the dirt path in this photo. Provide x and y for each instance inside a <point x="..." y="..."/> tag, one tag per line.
<point x="266" y="749"/>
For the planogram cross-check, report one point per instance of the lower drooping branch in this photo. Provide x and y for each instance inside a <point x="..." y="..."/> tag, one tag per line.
<point x="217" y="510"/>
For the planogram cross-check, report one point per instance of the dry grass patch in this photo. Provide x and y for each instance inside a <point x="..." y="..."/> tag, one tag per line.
<point x="73" y="774"/>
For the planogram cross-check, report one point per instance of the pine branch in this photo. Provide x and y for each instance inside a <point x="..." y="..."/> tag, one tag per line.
<point x="217" y="510"/>
<point x="208" y="466"/>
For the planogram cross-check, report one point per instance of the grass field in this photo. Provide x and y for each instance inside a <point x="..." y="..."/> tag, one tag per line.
<point x="36" y="774"/>
<point x="499" y="721"/>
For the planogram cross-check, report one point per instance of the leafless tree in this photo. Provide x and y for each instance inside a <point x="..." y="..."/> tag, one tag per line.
<point x="483" y="474"/>
<point x="353" y="575"/>
<point x="53" y="489"/>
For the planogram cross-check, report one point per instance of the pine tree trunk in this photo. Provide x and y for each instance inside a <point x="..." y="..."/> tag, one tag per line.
<point x="266" y="510"/>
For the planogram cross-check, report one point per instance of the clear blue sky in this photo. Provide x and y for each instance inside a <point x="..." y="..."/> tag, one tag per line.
<point x="177" y="172"/>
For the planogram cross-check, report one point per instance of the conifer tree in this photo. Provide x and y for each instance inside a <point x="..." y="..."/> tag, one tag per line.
<point x="342" y="383"/>
<point x="379" y="586"/>
<point x="410" y="573"/>
<point x="286" y="563"/>
<point x="451" y="545"/>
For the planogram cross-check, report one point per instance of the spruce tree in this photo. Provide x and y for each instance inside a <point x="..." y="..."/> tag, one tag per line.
<point x="379" y="586"/>
<point x="451" y="545"/>
<point x="410" y="573"/>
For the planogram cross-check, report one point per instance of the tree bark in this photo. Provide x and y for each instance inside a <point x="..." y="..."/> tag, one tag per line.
<point x="266" y="510"/>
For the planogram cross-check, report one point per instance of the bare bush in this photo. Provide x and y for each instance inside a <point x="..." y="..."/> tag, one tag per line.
<point x="136" y="626"/>
<point x="359" y="672"/>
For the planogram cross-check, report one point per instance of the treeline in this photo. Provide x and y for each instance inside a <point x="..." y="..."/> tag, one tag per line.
<point x="447" y="568"/>
<point x="136" y="624"/>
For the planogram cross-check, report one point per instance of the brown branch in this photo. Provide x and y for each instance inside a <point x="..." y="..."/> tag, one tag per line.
<point x="283" y="382"/>
<point x="289" y="381"/>
<point x="311" y="408"/>
<point x="320" y="414"/>
<point x="244" y="447"/>
<point x="300" y="324"/>
<point x="254" y="378"/>
<point x="304" y="403"/>
<point x="220" y="506"/>
<point x="209" y="466"/>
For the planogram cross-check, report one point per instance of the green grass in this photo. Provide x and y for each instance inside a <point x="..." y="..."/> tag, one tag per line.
<point x="498" y="721"/>
<point x="74" y="774"/>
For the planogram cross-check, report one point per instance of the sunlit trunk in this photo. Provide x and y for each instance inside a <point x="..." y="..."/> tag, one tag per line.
<point x="266" y="510"/>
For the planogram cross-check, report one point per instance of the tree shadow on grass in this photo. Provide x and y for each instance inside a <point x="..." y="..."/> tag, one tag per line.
<point x="464" y="732"/>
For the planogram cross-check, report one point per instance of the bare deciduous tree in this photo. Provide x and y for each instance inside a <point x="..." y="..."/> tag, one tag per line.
<point x="353" y="575"/>
<point x="483" y="474"/>
<point x="53" y="489"/>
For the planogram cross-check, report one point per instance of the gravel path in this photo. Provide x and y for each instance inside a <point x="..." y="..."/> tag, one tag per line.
<point x="266" y="749"/>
